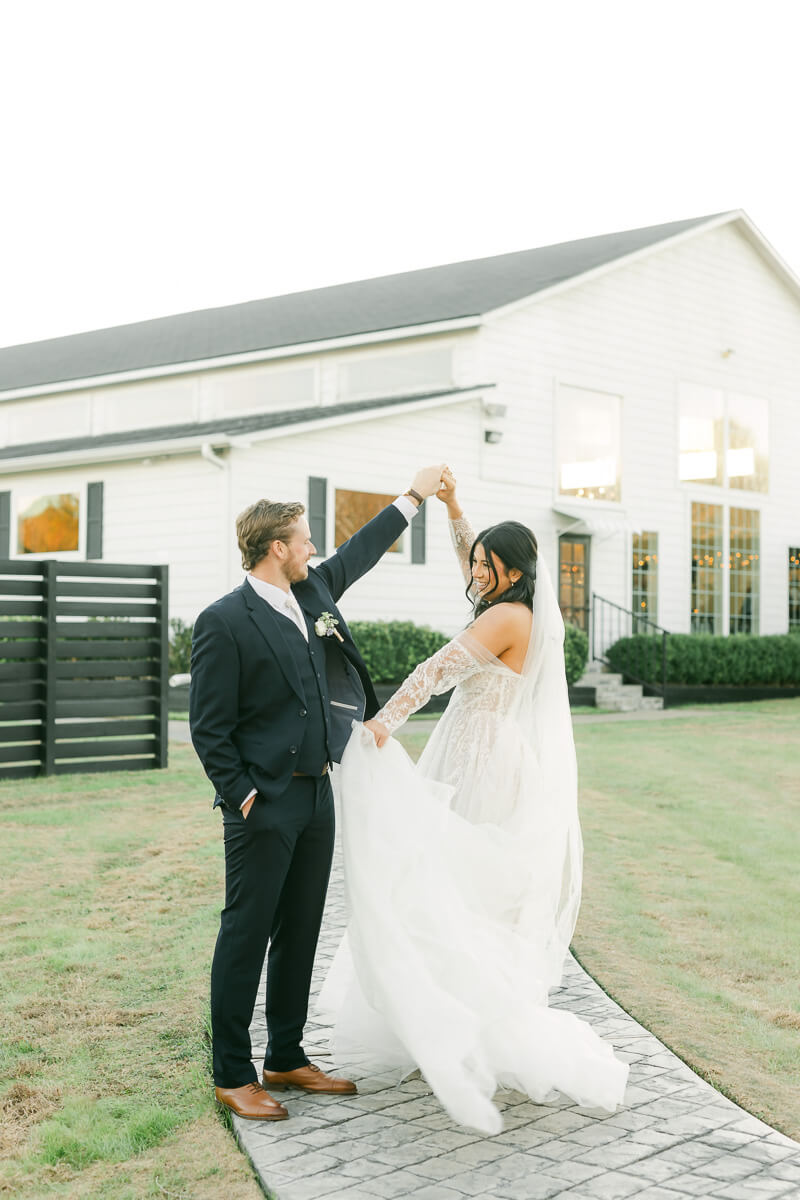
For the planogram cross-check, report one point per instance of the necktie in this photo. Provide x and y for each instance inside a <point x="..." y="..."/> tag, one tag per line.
<point x="293" y="609"/>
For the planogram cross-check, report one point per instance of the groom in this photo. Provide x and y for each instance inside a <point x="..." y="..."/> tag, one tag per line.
<point x="275" y="686"/>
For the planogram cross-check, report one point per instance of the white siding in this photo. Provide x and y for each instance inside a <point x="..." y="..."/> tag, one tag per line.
<point x="638" y="331"/>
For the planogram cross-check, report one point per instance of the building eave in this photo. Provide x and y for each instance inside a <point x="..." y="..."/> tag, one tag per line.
<point x="229" y="439"/>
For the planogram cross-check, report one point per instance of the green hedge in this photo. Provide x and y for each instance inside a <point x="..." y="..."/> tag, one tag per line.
<point x="701" y="659"/>
<point x="576" y="652"/>
<point x="180" y="647"/>
<point x="391" y="649"/>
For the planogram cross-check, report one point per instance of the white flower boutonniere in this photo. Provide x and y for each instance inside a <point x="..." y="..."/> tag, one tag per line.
<point x="325" y="626"/>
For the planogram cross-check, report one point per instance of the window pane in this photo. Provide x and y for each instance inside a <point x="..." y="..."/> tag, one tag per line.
<point x="645" y="575"/>
<point x="794" y="589"/>
<point x="706" y="568"/>
<point x="354" y="509"/>
<point x="589" y="444"/>
<point x="744" y="573"/>
<point x="573" y="587"/>
<point x="748" y="460"/>
<point x="396" y="374"/>
<point x="48" y="524"/>
<point x="701" y="434"/>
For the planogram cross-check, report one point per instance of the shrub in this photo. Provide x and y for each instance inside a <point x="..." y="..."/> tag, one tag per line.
<point x="180" y="647"/>
<point x="702" y="660"/>
<point x="391" y="649"/>
<point x="576" y="652"/>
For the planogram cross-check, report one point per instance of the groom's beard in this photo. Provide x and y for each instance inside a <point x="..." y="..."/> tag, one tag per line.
<point x="295" y="572"/>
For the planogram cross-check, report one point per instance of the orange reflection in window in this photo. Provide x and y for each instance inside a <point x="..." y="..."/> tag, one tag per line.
<point x="49" y="524"/>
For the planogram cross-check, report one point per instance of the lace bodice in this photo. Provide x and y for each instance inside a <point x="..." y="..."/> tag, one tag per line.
<point x="483" y="684"/>
<point x="463" y="664"/>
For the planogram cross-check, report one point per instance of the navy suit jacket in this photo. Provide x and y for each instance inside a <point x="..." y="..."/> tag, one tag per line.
<point x="246" y="700"/>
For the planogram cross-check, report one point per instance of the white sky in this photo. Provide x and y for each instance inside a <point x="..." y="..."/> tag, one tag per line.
<point x="163" y="156"/>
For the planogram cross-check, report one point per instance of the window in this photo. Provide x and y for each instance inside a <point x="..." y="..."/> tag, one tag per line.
<point x="589" y="444"/>
<point x="645" y="575"/>
<point x="747" y="443"/>
<point x="794" y="589"/>
<point x="723" y="438"/>
<point x="701" y="434"/>
<point x="261" y="389"/>
<point x="354" y="509"/>
<point x="396" y="374"/>
<point x="706" y="568"/>
<point x="573" y="579"/>
<point x="48" y="524"/>
<point x="743" y="572"/>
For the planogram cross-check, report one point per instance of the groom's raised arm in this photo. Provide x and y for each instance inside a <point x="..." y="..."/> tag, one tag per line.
<point x="365" y="548"/>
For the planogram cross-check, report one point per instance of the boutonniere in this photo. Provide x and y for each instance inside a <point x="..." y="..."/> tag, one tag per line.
<point x="325" y="626"/>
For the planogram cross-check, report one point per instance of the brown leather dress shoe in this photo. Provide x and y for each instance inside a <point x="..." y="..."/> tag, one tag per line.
<point x="309" y="1079"/>
<point x="252" y="1102"/>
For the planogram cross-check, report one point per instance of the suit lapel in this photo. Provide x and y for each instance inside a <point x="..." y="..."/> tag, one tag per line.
<point x="269" y="624"/>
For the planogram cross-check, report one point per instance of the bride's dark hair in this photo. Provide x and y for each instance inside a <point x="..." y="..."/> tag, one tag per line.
<point x="516" y="547"/>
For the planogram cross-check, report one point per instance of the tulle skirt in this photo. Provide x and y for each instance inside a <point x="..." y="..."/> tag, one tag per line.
<point x="447" y="962"/>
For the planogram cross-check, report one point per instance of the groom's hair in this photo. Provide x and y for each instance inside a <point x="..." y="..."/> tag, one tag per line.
<point x="263" y="523"/>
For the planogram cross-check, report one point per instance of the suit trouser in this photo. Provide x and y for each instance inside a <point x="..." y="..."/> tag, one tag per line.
<point x="277" y="866"/>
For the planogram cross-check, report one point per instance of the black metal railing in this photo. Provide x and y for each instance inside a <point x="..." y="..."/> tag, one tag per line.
<point x="637" y="646"/>
<point x="83" y="667"/>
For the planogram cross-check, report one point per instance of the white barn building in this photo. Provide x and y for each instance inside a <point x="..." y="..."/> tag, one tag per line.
<point x="634" y="398"/>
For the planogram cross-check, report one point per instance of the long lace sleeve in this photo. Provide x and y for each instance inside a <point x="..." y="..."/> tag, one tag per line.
<point x="462" y="535"/>
<point x="442" y="671"/>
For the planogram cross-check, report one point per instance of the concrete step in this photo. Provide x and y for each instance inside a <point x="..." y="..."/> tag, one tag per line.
<point x="656" y="702"/>
<point x="598" y="679"/>
<point x="620" y="691"/>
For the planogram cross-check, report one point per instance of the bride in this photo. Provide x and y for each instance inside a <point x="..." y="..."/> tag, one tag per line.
<point x="463" y="873"/>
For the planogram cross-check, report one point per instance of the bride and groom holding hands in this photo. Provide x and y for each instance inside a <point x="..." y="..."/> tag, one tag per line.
<point x="462" y="873"/>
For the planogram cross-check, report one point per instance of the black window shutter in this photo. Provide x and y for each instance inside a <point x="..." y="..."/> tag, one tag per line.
<point x="318" y="511"/>
<point x="418" y="536"/>
<point x="94" y="520"/>
<point x="5" y="524"/>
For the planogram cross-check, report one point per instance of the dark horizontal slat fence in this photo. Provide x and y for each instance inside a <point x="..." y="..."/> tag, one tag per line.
<point x="83" y="667"/>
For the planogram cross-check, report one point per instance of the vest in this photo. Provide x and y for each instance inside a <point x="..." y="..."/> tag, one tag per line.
<point x="313" y="752"/>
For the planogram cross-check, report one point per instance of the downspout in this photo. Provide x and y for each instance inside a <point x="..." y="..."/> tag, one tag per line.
<point x="210" y="455"/>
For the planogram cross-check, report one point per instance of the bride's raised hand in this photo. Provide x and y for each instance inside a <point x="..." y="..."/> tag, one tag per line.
<point x="378" y="731"/>
<point x="447" y="487"/>
<point x="447" y="493"/>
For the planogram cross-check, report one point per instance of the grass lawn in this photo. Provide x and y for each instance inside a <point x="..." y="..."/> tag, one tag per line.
<point x="109" y="901"/>
<point x="691" y="902"/>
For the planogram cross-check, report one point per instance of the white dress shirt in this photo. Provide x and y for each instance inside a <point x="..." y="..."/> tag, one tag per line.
<point x="286" y="605"/>
<point x="283" y="602"/>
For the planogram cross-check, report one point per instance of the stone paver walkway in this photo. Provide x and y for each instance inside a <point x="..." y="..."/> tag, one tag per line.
<point x="676" y="1137"/>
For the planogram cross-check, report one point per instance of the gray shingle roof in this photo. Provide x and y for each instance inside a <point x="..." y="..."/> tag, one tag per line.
<point x="230" y="426"/>
<point x="433" y="294"/>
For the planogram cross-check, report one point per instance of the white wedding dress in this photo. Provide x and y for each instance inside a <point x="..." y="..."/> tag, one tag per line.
<point x="463" y="879"/>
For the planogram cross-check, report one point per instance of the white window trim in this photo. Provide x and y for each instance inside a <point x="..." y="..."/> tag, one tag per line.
<point x="401" y="557"/>
<point x="391" y="351"/>
<point x="78" y="555"/>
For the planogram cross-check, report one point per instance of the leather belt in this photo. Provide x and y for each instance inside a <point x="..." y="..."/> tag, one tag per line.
<point x="305" y="774"/>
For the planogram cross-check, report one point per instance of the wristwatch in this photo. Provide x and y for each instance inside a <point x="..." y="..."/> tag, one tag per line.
<point x="414" y="495"/>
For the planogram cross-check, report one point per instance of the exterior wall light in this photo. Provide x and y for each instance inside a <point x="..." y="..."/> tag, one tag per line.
<point x="492" y="436"/>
